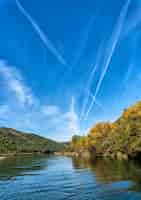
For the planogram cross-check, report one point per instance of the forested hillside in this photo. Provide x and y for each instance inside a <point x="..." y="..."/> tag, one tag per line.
<point x="13" y="141"/>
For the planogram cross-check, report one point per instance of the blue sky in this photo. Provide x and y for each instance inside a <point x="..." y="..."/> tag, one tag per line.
<point x="65" y="65"/>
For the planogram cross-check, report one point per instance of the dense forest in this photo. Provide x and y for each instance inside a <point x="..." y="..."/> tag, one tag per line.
<point x="13" y="141"/>
<point x="119" y="139"/>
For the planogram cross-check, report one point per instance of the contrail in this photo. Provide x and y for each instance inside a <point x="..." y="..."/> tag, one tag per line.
<point x="41" y="34"/>
<point x="84" y="40"/>
<point x="132" y="23"/>
<point x="110" y="51"/>
<point x="128" y="74"/>
<point x="131" y="65"/>
<point x="82" y="47"/>
<point x="96" y="102"/>
<point x="83" y="43"/>
<point x="88" y="86"/>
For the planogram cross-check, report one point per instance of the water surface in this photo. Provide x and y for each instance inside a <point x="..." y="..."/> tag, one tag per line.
<point x="63" y="178"/>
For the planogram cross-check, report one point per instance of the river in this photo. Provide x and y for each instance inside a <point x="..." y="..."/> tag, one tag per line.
<point x="64" y="178"/>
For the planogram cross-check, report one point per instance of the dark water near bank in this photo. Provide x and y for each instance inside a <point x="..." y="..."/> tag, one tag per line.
<point x="62" y="178"/>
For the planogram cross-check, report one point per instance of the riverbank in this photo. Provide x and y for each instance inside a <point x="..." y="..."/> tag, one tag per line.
<point x="2" y="157"/>
<point x="69" y="154"/>
<point x="8" y="155"/>
<point x="82" y="155"/>
<point x="92" y="156"/>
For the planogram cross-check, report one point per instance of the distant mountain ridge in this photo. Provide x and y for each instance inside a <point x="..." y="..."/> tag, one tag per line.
<point x="14" y="141"/>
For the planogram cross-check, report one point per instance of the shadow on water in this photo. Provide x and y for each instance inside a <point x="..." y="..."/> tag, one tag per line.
<point x="12" y="167"/>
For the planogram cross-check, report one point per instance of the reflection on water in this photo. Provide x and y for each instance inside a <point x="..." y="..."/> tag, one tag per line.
<point x="17" y="166"/>
<point x="60" y="178"/>
<point x="109" y="171"/>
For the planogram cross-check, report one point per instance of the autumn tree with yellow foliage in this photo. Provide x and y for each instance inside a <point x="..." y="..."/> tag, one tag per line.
<point x="120" y="137"/>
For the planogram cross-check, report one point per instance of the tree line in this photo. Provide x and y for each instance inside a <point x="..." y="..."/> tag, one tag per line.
<point x="121" y="138"/>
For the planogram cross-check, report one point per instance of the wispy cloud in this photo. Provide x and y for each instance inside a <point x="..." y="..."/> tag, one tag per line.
<point x="24" y="111"/>
<point x="3" y="109"/>
<point x="50" y="110"/>
<point x="41" y="33"/>
<point x="4" y="112"/>
<point x="110" y="51"/>
<point x="15" y="84"/>
<point x="72" y="119"/>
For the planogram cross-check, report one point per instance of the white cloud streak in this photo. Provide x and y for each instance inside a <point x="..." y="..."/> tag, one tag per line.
<point x="24" y="111"/>
<point x="50" y="110"/>
<point x="15" y="84"/>
<point x="89" y="83"/>
<point x="4" y="109"/>
<point x="72" y="119"/>
<point x="83" y="41"/>
<point x="132" y="22"/>
<point x="96" y="102"/>
<point x="41" y="34"/>
<point x="128" y="74"/>
<point x="110" y="51"/>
